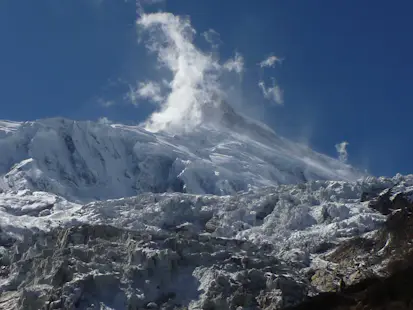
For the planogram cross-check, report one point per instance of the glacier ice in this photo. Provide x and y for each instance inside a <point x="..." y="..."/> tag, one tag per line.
<point x="206" y="248"/>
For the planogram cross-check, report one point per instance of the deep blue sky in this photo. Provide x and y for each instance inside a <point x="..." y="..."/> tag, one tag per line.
<point x="347" y="74"/>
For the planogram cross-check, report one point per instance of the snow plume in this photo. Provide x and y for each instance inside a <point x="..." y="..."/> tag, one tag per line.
<point x="270" y="62"/>
<point x="194" y="92"/>
<point x="342" y="151"/>
<point x="273" y="93"/>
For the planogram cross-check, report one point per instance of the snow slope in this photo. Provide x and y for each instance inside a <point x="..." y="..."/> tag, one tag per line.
<point x="8" y="126"/>
<point x="86" y="161"/>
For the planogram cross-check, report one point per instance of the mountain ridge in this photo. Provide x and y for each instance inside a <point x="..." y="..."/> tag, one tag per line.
<point x="85" y="161"/>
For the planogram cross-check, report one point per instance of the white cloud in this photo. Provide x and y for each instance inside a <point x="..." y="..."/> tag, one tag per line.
<point x="273" y="93"/>
<point x="341" y="149"/>
<point x="212" y="37"/>
<point x="270" y="62"/>
<point x="195" y="90"/>
<point x="150" y="90"/>
<point x="131" y="95"/>
<point x="104" y="121"/>
<point x="145" y="90"/>
<point x="235" y="64"/>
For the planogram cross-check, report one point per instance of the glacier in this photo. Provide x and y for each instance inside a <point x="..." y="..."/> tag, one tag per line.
<point x="181" y="250"/>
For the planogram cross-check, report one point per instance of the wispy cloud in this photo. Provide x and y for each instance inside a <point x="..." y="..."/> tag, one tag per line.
<point x="131" y="96"/>
<point x="106" y="103"/>
<point x="273" y="93"/>
<point x="141" y="5"/>
<point x="150" y="90"/>
<point x="149" y="2"/>
<point x="235" y="64"/>
<point x="212" y="37"/>
<point x="270" y="62"/>
<point x="341" y="149"/>
<point x="104" y="121"/>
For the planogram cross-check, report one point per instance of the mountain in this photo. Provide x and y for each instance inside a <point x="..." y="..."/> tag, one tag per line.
<point x="86" y="161"/>
<point x="227" y="215"/>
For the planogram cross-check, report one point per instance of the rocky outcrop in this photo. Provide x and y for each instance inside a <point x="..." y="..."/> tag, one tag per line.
<point x="377" y="270"/>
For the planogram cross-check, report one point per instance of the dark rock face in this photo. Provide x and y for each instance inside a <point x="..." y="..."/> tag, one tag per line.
<point x="378" y="270"/>
<point x="371" y="194"/>
<point x="386" y="204"/>
<point x="382" y="203"/>
<point x="393" y="292"/>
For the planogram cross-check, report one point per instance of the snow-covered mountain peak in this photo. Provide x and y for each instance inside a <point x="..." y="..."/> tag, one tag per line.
<point x="8" y="126"/>
<point x="84" y="160"/>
